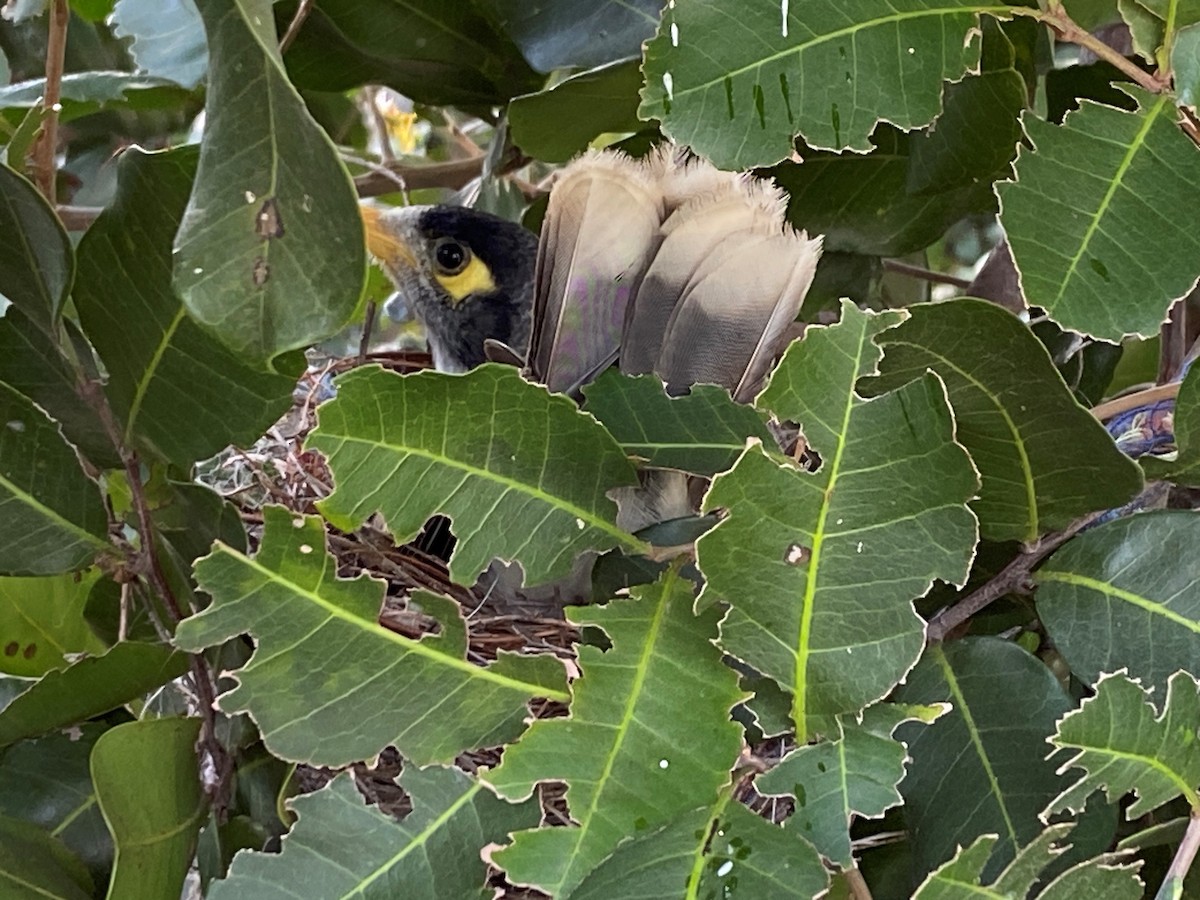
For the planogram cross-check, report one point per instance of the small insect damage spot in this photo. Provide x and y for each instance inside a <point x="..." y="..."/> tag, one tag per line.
<point x="797" y="555"/>
<point x="261" y="272"/>
<point x="268" y="223"/>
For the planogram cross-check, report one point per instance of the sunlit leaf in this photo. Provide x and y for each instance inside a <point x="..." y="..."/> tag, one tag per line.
<point x="168" y="38"/>
<point x="648" y="736"/>
<point x="1068" y="226"/>
<point x="802" y="555"/>
<point x="365" y="687"/>
<point x="1122" y="741"/>
<point x="521" y="473"/>
<point x="340" y="847"/>
<point x="738" y="80"/>
<point x="41" y="621"/>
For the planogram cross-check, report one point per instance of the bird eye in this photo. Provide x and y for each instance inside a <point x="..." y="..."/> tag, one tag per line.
<point x="451" y="256"/>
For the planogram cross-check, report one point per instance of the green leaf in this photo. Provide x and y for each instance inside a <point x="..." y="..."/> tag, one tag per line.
<point x="47" y="782"/>
<point x="1068" y="227"/>
<point x="555" y="124"/>
<point x="36" y="262"/>
<point x="1126" y="595"/>
<point x="21" y="138"/>
<point x="34" y="866"/>
<point x="85" y="93"/>
<point x="800" y="554"/>
<point x="1185" y="65"/>
<point x="648" y="737"/>
<point x="51" y="516"/>
<point x="342" y="848"/>
<point x="179" y="392"/>
<point x="168" y="38"/>
<point x="270" y="254"/>
<point x="1184" y="469"/>
<point x="440" y="53"/>
<point x="703" y="432"/>
<point x="1044" y="459"/>
<point x="486" y="449"/>
<point x="366" y="687"/>
<point x="866" y="204"/>
<point x="33" y="363"/>
<point x="738" y="81"/>
<point x="576" y="33"/>
<point x="1145" y="28"/>
<point x="41" y="621"/>
<point x="90" y="687"/>
<point x="981" y="768"/>
<point x="747" y="855"/>
<point x="1123" y="743"/>
<point x="855" y="774"/>
<point x="1107" y="877"/>
<point x="149" y="790"/>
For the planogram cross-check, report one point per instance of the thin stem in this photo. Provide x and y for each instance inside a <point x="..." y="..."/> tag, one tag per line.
<point x="903" y="268"/>
<point x="44" y="153"/>
<point x="293" y="28"/>
<point x="1015" y="577"/>
<point x="1173" y="884"/>
<point x="1058" y="19"/>
<point x="857" y="884"/>
<point x="1110" y="408"/>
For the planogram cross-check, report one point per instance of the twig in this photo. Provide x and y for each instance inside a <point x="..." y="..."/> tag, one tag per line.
<point x="1173" y="883"/>
<point x="293" y="28"/>
<point x="383" y="179"/>
<point x="47" y="147"/>
<point x="1118" y="405"/>
<point x="1015" y="577"/>
<point x="1058" y="19"/>
<point x="903" y="268"/>
<point x="857" y="884"/>
<point x="364" y="343"/>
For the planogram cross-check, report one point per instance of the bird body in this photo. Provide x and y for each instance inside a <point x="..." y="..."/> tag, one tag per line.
<point x="666" y="264"/>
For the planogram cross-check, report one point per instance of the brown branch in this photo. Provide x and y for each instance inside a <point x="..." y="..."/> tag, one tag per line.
<point x="1058" y="19"/>
<point x="903" y="268"/>
<point x="1182" y="862"/>
<point x="857" y="884"/>
<point x="1013" y="578"/>
<point x="293" y="28"/>
<point x="44" y="153"/>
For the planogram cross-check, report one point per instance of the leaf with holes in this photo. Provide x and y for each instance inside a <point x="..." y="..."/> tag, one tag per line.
<point x="521" y="473"/>
<point x="737" y="81"/>
<point x="270" y="253"/>
<point x="340" y="847"/>
<point x="1121" y="742"/>
<point x="703" y="432"/>
<point x="1044" y="460"/>
<point x="820" y="568"/>
<point x="853" y="774"/>
<point x="1126" y="595"/>
<point x="982" y="767"/>
<point x="1112" y="876"/>
<point x="363" y="687"/>
<point x="179" y="392"/>
<point x="1068" y="226"/>
<point x="649" y="735"/>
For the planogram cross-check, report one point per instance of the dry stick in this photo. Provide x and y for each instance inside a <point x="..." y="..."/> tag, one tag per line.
<point x="47" y="147"/>
<point x="857" y="884"/>
<point x="1183" y="859"/>
<point x="1126" y="402"/>
<point x="1013" y="577"/>
<point x="903" y="268"/>
<point x="293" y="28"/>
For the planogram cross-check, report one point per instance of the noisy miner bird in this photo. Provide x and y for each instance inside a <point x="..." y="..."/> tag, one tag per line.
<point x="664" y="265"/>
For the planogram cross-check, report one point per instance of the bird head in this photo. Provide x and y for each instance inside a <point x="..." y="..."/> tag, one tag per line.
<point x="466" y="274"/>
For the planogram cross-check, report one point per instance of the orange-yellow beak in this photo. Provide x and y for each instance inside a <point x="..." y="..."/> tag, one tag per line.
<point x="385" y="241"/>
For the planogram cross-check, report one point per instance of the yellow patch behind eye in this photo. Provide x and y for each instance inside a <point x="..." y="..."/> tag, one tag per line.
<point x="476" y="278"/>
